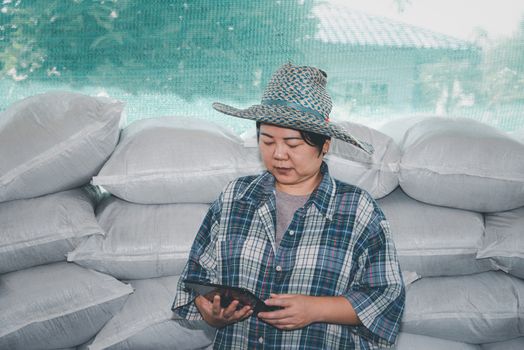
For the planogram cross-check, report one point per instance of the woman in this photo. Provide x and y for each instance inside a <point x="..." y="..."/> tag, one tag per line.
<point x="318" y="248"/>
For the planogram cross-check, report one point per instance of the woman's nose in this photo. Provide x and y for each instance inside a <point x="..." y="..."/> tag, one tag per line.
<point x="280" y="152"/>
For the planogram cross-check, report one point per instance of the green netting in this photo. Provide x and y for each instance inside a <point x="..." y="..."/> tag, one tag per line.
<point x="176" y="57"/>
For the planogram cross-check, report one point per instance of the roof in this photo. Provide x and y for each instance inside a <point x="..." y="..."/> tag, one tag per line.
<point x="341" y="25"/>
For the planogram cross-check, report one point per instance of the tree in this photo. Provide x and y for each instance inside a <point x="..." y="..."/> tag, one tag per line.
<point x="503" y="70"/>
<point x="446" y="84"/>
<point x="194" y="47"/>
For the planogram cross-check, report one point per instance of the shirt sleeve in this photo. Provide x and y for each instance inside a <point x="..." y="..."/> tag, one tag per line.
<point x="378" y="294"/>
<point x="201" y="264"/>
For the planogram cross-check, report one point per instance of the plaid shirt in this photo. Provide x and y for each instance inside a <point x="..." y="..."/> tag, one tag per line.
<point x="338" y="244"/>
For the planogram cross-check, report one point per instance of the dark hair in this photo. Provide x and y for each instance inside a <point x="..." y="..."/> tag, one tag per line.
<point x="311" y="138"/>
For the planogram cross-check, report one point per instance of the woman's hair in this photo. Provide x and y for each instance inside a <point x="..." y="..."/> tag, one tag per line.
<point x="311" y="138"/>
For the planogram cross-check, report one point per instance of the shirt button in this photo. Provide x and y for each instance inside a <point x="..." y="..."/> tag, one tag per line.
<point x="291" y="233"/>
<point x="261" y="340"/>
<point x="278" y="268"/>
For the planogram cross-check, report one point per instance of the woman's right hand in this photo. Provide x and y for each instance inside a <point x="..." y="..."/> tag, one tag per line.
<point x="217" y="316"/>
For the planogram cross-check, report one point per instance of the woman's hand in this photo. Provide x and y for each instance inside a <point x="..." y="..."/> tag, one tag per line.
<point x="298" y="311"/>
<point x="217" y="316"/>
<point x="302" y="310"/>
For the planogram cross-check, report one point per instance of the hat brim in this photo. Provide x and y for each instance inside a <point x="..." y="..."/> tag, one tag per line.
<point x="291" y="118"/>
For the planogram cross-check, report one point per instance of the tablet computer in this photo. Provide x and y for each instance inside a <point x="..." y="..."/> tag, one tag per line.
<point x="228" y="294"/>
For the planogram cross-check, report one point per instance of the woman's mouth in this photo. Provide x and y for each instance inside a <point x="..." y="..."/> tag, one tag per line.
<point x="282" y="171"/>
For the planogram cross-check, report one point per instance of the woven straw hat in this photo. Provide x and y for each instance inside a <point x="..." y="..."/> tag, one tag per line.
<point x="296" y="98"/>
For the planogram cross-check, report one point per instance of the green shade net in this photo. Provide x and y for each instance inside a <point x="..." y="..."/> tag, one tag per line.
<point x="177" y="57"/>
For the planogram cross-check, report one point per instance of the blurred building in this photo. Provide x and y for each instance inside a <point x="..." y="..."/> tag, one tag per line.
<point x="375" y="61"/>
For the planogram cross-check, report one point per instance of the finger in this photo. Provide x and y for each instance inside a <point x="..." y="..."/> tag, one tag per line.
<point x="273" y="315"/>
<point x="203" y="305"/>
<point x="238" y="315"/>
<point x="216" y="309"/>
<point x="202" y="302"/>
<point x="282" y="302"/>
<point x="286" y="327"/>
<point x="243" y="313"/>
<point x="281" y="296"/>
<point x="230" y="309"/>
<point x="281" y="324"/>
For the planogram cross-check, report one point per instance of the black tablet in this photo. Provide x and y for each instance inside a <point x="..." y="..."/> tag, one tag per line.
<point x="228" y="294"/>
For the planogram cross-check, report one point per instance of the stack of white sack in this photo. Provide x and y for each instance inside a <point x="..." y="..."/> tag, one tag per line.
<point x="456" y="218"/>
<point x="453" y="233"/>
<point x="173" y="168"/>
<point x="163" y="175"/>
<point x="50" y="147"/>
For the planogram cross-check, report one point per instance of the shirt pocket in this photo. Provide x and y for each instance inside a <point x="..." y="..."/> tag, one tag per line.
<point x="239" y="260"/>
<point x="320" y="269"/>
<point x="323" y="260"/>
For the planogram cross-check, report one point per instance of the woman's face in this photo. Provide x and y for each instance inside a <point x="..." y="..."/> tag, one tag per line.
<point x="294" y="164"/>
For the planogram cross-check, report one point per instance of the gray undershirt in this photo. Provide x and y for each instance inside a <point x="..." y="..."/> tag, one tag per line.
<point x="287" y="205"/>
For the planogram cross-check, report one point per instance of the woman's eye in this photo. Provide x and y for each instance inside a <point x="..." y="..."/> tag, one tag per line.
<point x="293" y="145"/>
<point x="268" y="143"/>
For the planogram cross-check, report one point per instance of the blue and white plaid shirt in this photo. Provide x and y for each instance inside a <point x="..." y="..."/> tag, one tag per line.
<point x="338" y="244"/>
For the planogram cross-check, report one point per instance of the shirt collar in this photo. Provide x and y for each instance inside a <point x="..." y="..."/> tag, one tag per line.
<point x="323" y="197"/>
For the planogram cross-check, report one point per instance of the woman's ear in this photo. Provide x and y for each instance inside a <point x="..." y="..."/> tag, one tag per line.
<point x="325" y="147"/>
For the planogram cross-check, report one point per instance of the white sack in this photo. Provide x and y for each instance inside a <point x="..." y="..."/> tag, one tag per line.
<point x="175" y="160"/>
<point x="54" y="142"/>
<point x="432" y="240"/>
<point x="56" y="306"/>
<point x="406" y="341"/>
<point x="462" y="163"/>
<point x="397" y="128"/>
<point x="503" y="241"/>
<point x="377" y="174"/>
<point x="141" y="240"/>
<point x="44" y="229"/>
<point x="517" y="135"/>
<point x="480" y="308"/>
<point x="513" y="344"/>
<point x="145" y="321"/>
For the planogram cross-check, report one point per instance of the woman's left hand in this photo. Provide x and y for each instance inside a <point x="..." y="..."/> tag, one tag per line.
<point x="298" y="311"/>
